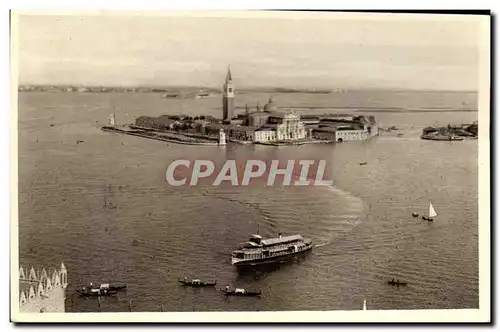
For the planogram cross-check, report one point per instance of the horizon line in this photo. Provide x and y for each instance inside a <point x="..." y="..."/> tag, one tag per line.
<point x="244" y="88"/>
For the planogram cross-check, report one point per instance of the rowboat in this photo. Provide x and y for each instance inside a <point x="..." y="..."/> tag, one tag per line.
<point x="397" y="283"/>
<point x="239" y="292"/>
<point x="197" y="283"/>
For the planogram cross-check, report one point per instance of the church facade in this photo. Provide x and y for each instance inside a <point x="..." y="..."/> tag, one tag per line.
<point x="267" y="124"/>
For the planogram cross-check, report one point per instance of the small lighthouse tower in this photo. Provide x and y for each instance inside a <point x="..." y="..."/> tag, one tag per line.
<point x="222" y="137"/>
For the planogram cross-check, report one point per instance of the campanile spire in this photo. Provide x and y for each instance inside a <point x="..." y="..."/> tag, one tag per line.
<point x="228" y="96"/>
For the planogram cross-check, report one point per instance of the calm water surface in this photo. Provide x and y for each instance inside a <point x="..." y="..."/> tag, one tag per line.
<point x="362" y="224"/>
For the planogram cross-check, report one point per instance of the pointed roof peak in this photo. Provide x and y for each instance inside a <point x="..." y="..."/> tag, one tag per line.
<point x="229" y="77"/>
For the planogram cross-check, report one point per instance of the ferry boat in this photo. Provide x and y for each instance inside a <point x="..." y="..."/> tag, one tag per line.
<point x="258" y="251"/>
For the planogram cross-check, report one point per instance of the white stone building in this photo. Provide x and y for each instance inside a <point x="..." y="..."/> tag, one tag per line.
<point x="291" y="128"/>
<point x="265" y="135"/>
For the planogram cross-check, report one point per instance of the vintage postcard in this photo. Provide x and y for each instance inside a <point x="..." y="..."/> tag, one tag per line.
<point x="258" y="166"/>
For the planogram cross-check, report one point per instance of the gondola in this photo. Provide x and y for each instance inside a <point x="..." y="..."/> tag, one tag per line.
<point x="397" y="283"/>
<point x="239" y="292"/>
<point x="197" y="283"/>
<point x="102" y="289"/>
<point x="84" y="291"/>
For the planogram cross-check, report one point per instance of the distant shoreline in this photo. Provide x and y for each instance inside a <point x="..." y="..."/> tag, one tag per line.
<point x="371" y="109"/>
<point x="179" y="89"/>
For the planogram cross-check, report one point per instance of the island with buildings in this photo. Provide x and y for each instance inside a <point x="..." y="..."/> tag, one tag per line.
<point x="267" y="125"/>
<point x="451" y="132"/>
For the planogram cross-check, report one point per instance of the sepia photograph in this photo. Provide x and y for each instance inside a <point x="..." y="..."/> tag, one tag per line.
<point x="250" y="166"/>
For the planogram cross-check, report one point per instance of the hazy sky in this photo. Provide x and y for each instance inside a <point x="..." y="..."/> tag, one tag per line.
<point x="341" y="52"/>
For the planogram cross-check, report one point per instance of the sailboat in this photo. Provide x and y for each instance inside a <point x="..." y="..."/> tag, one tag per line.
<point x="432" y="213"/>
<point x="364" y="304"/>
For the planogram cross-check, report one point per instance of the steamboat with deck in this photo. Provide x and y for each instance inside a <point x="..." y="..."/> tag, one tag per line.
<point x="259" y="251"/>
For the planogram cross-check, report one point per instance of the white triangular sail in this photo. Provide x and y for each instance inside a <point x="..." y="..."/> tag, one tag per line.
<point x="432" y="212"/>
<point x="364" y="304"/>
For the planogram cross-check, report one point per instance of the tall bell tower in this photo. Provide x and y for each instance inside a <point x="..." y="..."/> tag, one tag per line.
<point x="228" y="97"/>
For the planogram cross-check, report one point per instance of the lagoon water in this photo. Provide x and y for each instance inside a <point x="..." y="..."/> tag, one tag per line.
<point x="151" y="234"/>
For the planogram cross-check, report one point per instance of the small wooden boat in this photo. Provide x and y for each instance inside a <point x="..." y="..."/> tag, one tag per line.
<point x="397" y="283"/>
<point x="170" y="95"/>
<point x="414" y="214"/>
<point x="84" y="291"/>
<point x="239" y="292"/>
<point x="197" y="283"/>
<point x="105" y="287"/>
<point x="363" y="163"/>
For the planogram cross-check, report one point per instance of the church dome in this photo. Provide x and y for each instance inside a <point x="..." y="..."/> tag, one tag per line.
<point x="270" y="106"/>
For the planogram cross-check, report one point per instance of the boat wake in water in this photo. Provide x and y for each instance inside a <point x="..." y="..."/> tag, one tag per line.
<point x="348" y="215"/>
<point x="333" y="214"/>
<point x="255" y="206"/>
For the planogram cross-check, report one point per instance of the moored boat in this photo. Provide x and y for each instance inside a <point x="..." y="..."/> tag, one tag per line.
<point x="197" y="283"/>
<point x="239" y="292"/>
